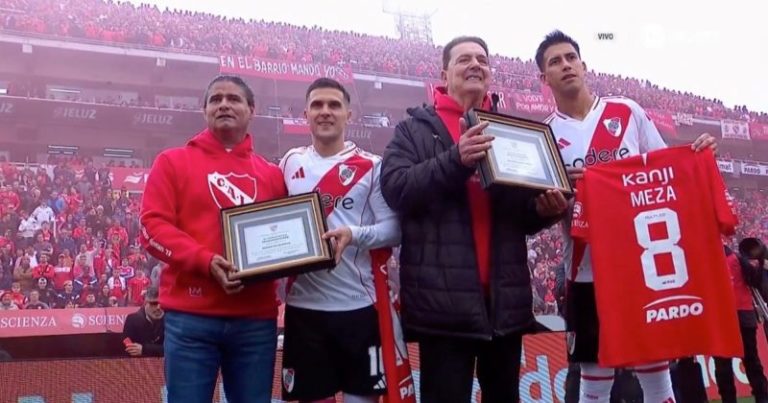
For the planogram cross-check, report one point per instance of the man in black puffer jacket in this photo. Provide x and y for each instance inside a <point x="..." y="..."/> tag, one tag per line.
<point x="465" y="287"/>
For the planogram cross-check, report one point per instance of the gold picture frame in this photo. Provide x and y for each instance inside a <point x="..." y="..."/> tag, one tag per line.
<point x="277" y="238"/>
<point x="523" y="153"/>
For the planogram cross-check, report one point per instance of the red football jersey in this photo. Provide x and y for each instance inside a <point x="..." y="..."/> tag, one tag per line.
<point x="661" y="282"/>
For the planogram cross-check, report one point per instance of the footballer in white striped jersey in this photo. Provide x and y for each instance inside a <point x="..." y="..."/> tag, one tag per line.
<point x="332" y="334"/>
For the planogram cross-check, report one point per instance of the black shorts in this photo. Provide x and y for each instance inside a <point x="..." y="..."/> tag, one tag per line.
<point x="581" y="323"/>
<point x="327" y="352"/>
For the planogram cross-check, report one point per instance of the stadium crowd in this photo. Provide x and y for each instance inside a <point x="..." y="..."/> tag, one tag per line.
<point x="188" y="31"/>
<point x="67" y="239"/>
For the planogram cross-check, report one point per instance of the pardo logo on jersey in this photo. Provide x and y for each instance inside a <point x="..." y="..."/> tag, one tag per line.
<point x="672" y="308"/>
<point x="346" y="174"/>
<point x="232" y="189"/>
<point x="595" y="156"/>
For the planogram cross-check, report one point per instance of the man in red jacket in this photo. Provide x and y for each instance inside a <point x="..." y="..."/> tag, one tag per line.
<point x="211" y="321"/>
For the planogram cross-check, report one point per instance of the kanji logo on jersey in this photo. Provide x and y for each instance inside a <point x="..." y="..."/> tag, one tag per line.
<point x="346" y="174"/>
<point x="671" y="308"/>
<point x="613" y="125"/>
<point x="232" y="189"/>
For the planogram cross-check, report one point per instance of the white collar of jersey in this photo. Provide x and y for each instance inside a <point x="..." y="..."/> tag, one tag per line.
<point x="561" y="115"/>
<point x="348" y="147"/>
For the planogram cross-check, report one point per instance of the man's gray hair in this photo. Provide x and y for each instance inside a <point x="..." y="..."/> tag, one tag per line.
<point x="152" y="293"/>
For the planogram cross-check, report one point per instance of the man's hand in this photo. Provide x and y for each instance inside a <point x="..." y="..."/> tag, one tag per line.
<point x="220" y="269"/>
<point x="134" y="349"/>
<point x="342" y="237"/>
<point x="705" y="141"/>
<point x="552" y="203"/>
<point x="472" y="143"/>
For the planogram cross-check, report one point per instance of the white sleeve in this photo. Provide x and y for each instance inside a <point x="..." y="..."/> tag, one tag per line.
<point x="386" y="230"/>
<point x="283" y="161"/>
<point x="285" y="167"/>
<point x="650" y="138"/>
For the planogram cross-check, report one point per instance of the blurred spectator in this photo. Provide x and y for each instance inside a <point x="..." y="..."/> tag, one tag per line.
<point x="90" y="301"/>
<point x="45" y="292"/>
<point x="35" y="302"/>
<point x="7" y="303"/>
<point x="144" y="329"/>
<point x="24" y="275"/>
<point x="68" y="296"/>
<point x="137" y="286"/>
<point x="117" y="287"/>
<point x="62" y="273"/>
<point x="104" y="295"/>
<point x="43" y="213"/>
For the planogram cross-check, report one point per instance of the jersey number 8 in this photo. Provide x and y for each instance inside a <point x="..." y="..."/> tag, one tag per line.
<point x="653" y="248"/>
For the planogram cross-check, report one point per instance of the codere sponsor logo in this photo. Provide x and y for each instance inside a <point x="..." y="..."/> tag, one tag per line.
<point x="595" y="156"/>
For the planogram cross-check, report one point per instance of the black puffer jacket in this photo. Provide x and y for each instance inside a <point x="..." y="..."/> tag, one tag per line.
<point x="424" y="181"/>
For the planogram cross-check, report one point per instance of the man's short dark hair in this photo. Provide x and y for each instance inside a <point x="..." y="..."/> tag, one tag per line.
<point x="249" y="97"/>
<point x="553" y="38"/>
<point x="152" y="293"/>
<point x="325" y="82"/>
<point x="459" y="40"/>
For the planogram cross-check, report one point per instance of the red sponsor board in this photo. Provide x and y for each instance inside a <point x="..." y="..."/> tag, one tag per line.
<point x="758" y="131"/>
<point x="542" y="377"/>
<point x="663" y="121"/>
<point x="531" y="103"/>
<point x="51" y="322"/>
<point x="283" y="69"/>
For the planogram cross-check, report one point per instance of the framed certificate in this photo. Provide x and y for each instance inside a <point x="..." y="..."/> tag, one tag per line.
<point x="277" y="238"/>
<point x="523" y="153"/>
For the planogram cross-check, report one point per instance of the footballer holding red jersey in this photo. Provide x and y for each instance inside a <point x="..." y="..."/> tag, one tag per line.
<point x="592" y="130"/>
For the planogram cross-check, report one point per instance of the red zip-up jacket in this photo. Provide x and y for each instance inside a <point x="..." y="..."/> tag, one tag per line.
<point x="181" y="225"/>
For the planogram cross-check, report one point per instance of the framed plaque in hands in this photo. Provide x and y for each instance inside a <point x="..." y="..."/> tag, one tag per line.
<point x="523" y="153"/>
<point x="277" y="238"/>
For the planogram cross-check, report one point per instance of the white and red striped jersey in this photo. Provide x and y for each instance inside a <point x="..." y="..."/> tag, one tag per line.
<point x="615" y="128"/>
<point x="348" y="183"/>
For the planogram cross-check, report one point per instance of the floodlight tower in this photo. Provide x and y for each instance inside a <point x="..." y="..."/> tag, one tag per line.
<point x="413" y="23"/>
